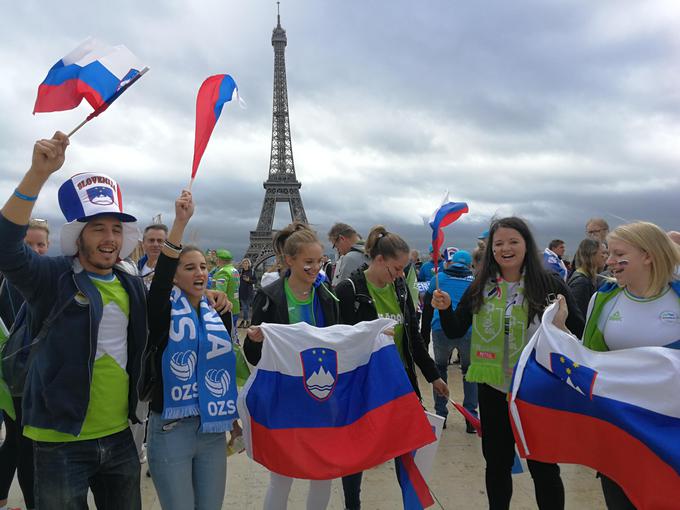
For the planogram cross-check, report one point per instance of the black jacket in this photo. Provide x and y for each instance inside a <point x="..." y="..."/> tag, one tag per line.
<point x="270" y="305"/>
<point x="158" y="313"/>
<point x="356" y="305"/>
<point x="582" y="288"/>
<point x="456" y="322"/>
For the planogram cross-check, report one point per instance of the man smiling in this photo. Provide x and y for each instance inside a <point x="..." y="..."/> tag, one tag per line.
<point x="81" y="387"/>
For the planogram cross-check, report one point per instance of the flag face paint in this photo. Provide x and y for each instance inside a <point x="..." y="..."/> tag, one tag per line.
<point x="615" y="411"/>
<point x="214" y="92"/>
<point x="446" y="214"/>
<point x="329" y="402"/>
<point x="94" y="71"/>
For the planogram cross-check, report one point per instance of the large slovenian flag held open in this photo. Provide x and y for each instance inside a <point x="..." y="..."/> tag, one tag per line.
<point x="445" y="214"/>
<point x="214" y="92"/>
<point x="94" y="71"/>
<point x="328" y="402"/>
<point x="617" y="412"/>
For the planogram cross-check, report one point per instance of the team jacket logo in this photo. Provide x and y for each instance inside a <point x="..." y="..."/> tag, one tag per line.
<point x="319" y="371"/>
<point x="100" y="195"/>
<point x="183" y="364"/>
<point x="217" y="381"/>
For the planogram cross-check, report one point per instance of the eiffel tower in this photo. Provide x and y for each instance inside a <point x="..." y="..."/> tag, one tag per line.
<point x="282" y="185"/>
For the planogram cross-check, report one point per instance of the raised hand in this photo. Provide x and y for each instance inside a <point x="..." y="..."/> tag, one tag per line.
<point x="49" y="155"/>
<point x="184" y="207"/>
<point x="441" y="300"/>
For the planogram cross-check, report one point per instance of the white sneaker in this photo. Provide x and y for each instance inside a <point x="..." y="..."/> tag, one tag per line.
<point x="142" y="456"/>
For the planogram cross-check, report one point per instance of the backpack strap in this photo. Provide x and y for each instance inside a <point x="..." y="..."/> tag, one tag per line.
<point x="56" y="311"/>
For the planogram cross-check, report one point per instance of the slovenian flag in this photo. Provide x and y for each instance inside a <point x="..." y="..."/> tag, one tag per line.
<point x="323" y="403"/>
<point x="617" y="412"/>
<point x="446" y="214"/>
<point x="94" y="71"/>
<point x="214" y="92"/>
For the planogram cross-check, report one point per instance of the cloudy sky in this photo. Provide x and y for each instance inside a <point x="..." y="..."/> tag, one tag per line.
<point x="555" y="111"/>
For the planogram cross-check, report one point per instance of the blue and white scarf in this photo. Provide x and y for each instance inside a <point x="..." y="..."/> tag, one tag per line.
<point x="199" y="366"/>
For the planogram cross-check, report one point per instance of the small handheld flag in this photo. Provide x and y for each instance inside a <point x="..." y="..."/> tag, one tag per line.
<point x="445" y="214"/>
<point x="94" y="71"/>
<point x="214" y="92"/>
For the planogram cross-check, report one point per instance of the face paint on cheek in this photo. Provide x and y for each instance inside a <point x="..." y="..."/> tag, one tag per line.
<point x="306" y="269"/>
<point x="622" y="262"/>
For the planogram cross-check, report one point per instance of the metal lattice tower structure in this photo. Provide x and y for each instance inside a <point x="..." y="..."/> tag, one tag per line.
<point x="281" y="185"/>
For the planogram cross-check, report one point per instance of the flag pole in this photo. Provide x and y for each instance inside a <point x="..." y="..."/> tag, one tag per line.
<point x="191" y="183"/>
<point x="105" y="105"/>
<point x="73" y="131"/>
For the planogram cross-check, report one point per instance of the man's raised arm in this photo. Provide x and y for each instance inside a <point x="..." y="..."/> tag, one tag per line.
<point x="48" y="157"/>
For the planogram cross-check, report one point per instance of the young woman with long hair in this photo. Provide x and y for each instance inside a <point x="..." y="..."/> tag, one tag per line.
<point x="504" y="306"/>
<point x="300" y="295"/>
<point x="379" y="289"/>
<point x="641" y="308"/>
<point x="589" y="261"/>
<point x="193" y="385"/>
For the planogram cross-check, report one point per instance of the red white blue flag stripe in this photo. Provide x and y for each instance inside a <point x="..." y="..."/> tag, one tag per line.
<point x="214" y="92"/>
<point x="94" y="71"/>
<point x="446" y="214"/>
<point x="616" y="411"/>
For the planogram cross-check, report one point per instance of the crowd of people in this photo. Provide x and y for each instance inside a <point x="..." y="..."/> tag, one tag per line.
<point x="121" y="349"/>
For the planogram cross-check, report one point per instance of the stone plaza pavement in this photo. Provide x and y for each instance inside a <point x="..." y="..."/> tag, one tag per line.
<point x="457" y="480"/>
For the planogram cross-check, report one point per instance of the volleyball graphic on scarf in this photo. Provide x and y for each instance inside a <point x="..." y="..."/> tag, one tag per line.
<point x="217" y="381"/>
<point x="183" y="365"/>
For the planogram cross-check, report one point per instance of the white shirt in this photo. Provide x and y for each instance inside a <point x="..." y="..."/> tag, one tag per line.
<point x="628" y="321"/>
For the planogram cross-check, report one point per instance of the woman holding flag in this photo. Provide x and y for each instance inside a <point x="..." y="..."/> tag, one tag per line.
<point x="380" y="290"/>
<point x="191" y="377"/>
<point x="641" y="308"/>
<point x="504" y="305"/>
<point x="301" y="295"/>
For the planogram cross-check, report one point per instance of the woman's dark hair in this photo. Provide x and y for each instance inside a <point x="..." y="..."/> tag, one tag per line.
<point x="585" y="255"/>
<point x="536" y="279"/>
<point x="188" y="248"/>
<point x="382" y="242"/>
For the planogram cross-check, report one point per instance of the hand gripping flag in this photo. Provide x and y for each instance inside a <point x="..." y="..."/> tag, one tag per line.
<point x="94" y="71"/>
<point x="212" y="95"/>
<point x="328" y="402"/>
<point x="617" y="412"/>
<point x="446" y="214"/>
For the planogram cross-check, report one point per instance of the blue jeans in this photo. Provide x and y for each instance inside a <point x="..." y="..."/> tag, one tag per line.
<point x="443" y="347"/>
<point x="188" y="467"/>
<point x="109" y="466"/>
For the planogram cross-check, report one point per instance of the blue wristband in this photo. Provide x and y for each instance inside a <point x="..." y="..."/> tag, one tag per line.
<point x="20" y="195"/>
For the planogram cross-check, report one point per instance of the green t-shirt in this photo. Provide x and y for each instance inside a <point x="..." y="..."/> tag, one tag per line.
<point x="387" y="306"/>
<point x="299" y="311"/>
<point x="107" y="411"/>
<point x="227" y="280"/>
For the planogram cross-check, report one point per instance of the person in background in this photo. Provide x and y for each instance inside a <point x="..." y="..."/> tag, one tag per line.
<point x="552" y="258"/>
<point x="227" y="280"/>
<point x="642" y="308"/>
<point x="414" y="260"/>
<point x="597" y="229"/>
<point x="152" y="242"/>
<point x="16" y="451"/>
<point x="455" y="279"/>
<point x="350" y="248"/>
<point x="246" y="291"/>
<point x="504" y="306"/>
<point x="590" y="260"/>
<point x="426" y="271"/>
